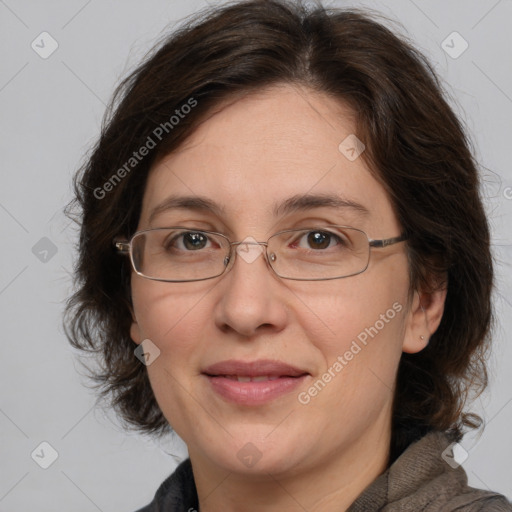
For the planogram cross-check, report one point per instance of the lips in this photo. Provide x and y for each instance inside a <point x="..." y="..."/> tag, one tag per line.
<point x="259" y="368"/>
<point x="254" y="382"/>
<point x="259" y="378"/>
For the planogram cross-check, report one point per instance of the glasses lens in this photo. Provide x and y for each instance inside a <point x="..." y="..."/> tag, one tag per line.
<point x="323" y="253"/>
<point x="175" y="254"/>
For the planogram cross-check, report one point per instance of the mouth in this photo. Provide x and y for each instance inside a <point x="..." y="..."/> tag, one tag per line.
<point x="254" y="382"/>
<point x="245" y="378"/>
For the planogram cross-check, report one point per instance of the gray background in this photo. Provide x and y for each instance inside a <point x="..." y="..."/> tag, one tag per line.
<point x="51" y="111"/>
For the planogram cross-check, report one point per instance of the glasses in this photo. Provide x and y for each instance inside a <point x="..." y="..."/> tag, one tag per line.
<point x="178" y="254"/>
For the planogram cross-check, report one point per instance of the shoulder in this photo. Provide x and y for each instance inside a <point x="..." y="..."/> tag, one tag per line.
<point x="447" y="484"/>
<point x="426" y="478"/>
<point x="476" y="500"/>
<point x="177" y="492"/>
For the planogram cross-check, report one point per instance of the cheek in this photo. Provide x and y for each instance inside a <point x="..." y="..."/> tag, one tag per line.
<point x="173" y="319"/>
<point x="171" y="316"/>
<point x="340" y="312"/>
<point x="357" y="330"/>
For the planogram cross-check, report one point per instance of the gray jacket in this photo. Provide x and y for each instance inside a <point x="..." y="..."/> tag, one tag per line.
<point x="420" y="480"/>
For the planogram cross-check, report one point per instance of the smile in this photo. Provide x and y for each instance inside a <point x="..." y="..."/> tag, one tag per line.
<point x="244" y="390"/>
<point x="255" y="382"/>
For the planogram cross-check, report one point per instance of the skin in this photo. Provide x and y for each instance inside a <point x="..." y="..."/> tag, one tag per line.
<point x="251" y="153"/>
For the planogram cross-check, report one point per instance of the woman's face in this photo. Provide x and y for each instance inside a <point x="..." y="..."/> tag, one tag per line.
<point x="253" y="155"/>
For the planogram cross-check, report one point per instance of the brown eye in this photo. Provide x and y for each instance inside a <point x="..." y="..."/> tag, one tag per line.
<point x="319" y="240"/>
<point x="194" y="241"/>
<point x="188" y="241"/>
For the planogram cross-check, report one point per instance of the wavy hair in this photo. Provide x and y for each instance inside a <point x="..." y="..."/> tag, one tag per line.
<point x="415" y="146"/>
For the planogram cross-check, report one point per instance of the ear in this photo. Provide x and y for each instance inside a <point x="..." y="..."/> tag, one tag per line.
<point x="424" y="317"/>
<point x="135" y="331"/>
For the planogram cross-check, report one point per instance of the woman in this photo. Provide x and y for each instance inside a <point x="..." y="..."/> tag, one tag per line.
<point x="285" y="258"/>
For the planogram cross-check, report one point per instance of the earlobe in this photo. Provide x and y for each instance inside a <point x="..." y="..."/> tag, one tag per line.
<point x="135" y="332"/>
<point x="423" y="320"/>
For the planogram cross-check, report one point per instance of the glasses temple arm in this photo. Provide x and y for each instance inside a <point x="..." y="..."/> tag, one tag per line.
<point x="388" y="241"/>
<point x="122" y="246"/>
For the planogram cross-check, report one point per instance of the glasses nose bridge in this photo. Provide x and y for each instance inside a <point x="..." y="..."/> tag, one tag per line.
<point x="249" y="243"/>
<point x="233" y="245"/>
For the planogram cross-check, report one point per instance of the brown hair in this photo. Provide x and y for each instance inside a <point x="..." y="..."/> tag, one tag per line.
<point x="415" y="146"/>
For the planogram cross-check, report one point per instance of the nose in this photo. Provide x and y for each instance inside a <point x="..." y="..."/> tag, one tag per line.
<point x="251" y="297"/>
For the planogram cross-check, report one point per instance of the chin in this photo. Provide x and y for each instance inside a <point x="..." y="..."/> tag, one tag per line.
<point x="253" y="453"/>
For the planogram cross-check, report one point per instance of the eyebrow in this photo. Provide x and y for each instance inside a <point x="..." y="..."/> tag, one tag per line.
<point x="299" y="202"/>
<point x="196" y="203"/>
<point x="303" y="202"/>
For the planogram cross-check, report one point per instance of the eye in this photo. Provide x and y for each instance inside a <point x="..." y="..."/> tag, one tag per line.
<point x="319" y="239"/>
<point x="187" y="241"/>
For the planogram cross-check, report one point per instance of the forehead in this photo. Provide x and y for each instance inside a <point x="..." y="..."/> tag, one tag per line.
<point x="254" y="153"/>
